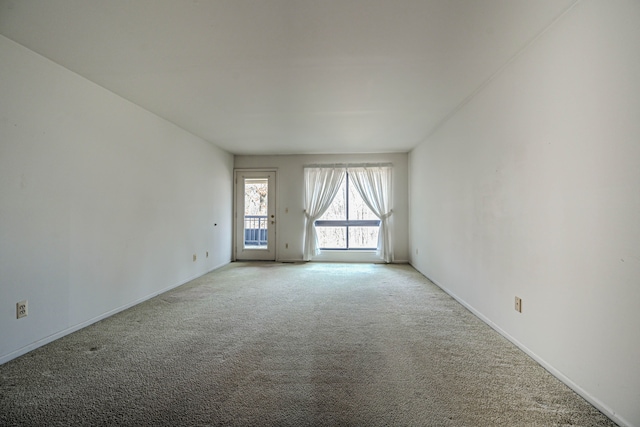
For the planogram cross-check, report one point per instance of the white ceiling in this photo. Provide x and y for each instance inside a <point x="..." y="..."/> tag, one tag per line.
<point x="286" y="76"/>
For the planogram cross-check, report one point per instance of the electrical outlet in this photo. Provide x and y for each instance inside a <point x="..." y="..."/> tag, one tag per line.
<point x="518" y="305"/>
<point x="22" y="309"/>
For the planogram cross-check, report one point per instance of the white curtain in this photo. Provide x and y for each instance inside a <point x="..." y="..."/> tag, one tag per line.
<point x="374" y="185"/>
<point x="320" y="187"/>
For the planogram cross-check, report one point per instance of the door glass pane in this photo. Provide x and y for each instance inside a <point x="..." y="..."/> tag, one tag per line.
<point x="255" y="213"/>
<point x="332" y="237"/>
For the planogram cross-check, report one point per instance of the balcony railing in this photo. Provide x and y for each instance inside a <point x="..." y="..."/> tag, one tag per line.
<point x="255" y="230"/>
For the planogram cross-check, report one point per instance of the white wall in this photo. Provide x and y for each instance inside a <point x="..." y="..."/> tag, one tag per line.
<point x="102" y="204"/>
<point x="290" y="196"/>
<point x="533" y="189"/>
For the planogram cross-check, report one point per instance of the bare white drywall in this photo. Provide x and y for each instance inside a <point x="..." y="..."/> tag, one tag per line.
<point x="290" y="201"/>
<point x="533" y="190"/>
<point x="102" y="204"/>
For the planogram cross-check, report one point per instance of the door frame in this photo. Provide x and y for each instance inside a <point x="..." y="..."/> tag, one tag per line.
<point x="236" y="215"/>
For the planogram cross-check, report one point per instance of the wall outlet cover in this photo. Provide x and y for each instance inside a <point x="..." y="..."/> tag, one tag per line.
<point x="22" y="309"/>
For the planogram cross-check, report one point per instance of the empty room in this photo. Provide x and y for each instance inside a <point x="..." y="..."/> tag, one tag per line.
<point x="305" y="212"/>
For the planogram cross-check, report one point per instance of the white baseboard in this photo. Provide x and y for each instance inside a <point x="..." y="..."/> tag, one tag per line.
<point x="397" y="261"/>
<point x="553" y="371"/>
<point x="30" y="347"/>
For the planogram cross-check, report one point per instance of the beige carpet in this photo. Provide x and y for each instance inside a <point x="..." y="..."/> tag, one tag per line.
<point x="267" y="344"/>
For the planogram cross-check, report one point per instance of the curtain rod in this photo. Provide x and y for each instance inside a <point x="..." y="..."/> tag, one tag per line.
<point x="348" y="165"/>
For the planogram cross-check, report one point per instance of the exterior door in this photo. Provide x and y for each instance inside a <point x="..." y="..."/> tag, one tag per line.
<point x="255" y="216"/>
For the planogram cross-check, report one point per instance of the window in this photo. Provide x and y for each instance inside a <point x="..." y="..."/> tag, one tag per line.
<point x="348" y="223"/>
<point x="256" y="192"/>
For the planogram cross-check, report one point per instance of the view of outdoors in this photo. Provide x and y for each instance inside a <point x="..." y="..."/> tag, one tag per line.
<point x="340" y="227"/>
<point x="348" y="206"/>
<point x="255" y="212"/>
<point x="255" y="196"/>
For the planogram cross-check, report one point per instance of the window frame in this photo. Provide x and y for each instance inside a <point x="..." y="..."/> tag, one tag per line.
<point x="347" y="223"/>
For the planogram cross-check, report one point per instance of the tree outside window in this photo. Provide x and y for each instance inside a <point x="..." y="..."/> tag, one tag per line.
<point x="348" y="223"/>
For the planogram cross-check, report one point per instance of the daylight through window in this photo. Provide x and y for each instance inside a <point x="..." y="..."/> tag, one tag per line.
<point x="348" y="223"/>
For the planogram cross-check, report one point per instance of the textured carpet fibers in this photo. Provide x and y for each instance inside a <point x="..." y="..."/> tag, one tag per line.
<point x="268" y="344"/>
